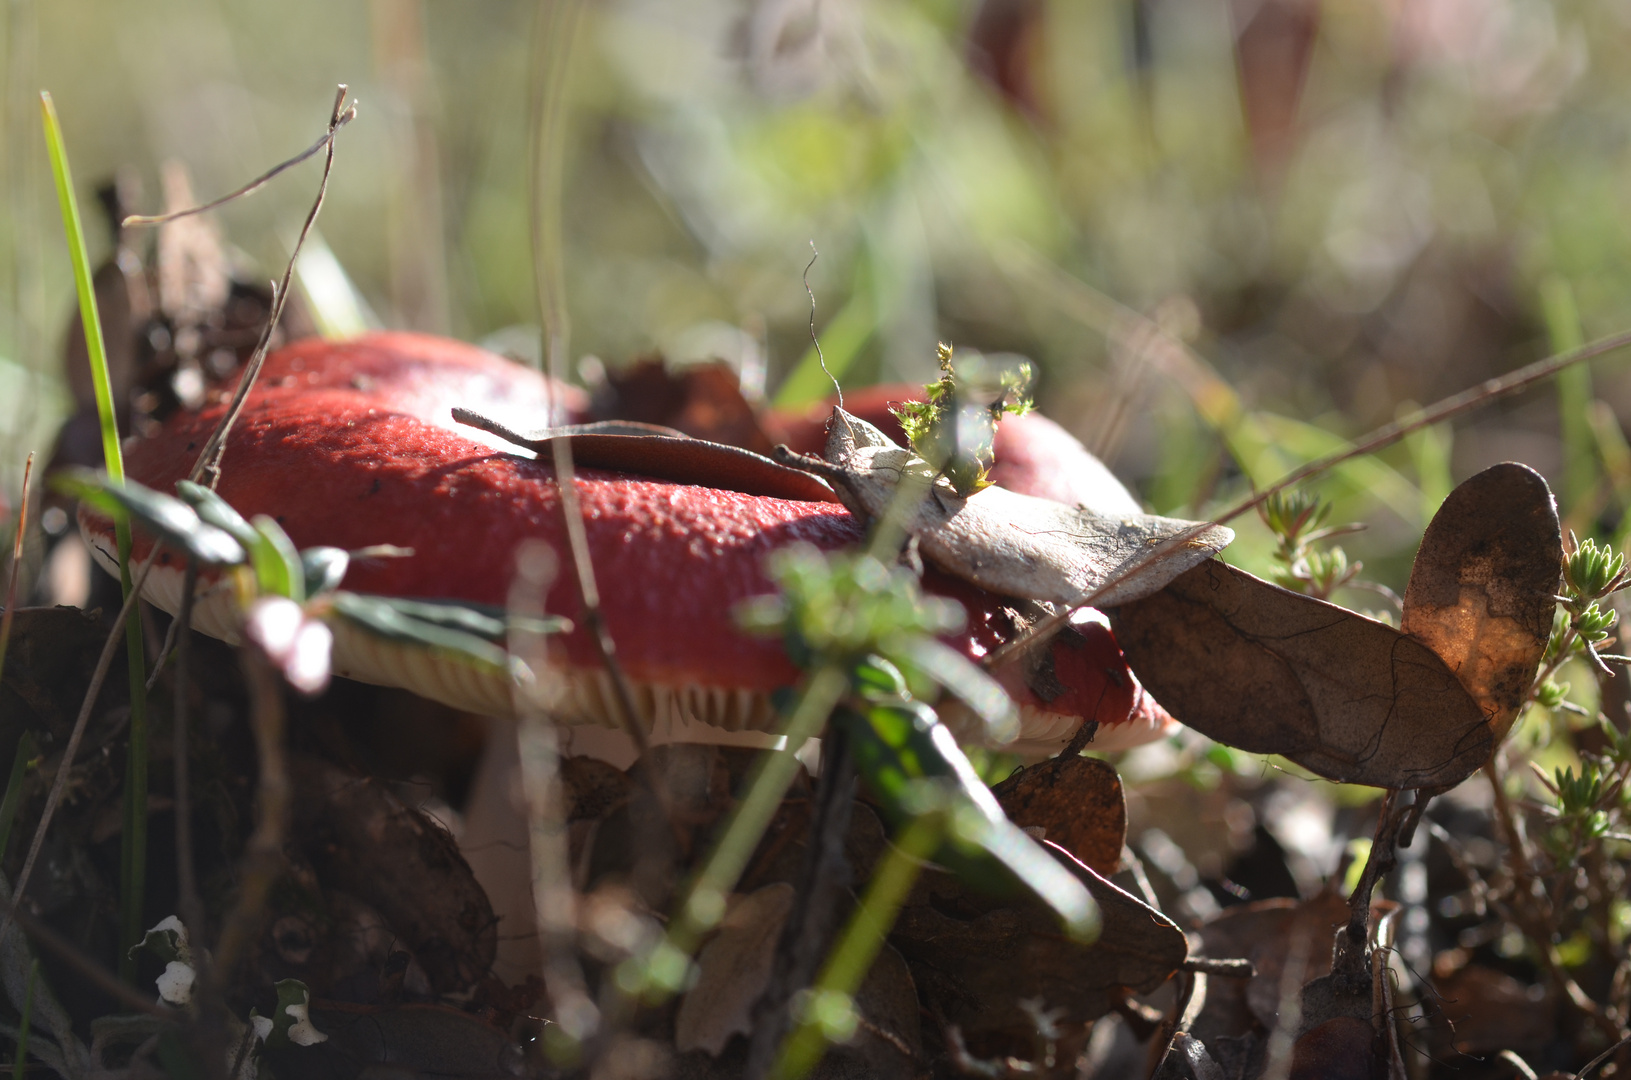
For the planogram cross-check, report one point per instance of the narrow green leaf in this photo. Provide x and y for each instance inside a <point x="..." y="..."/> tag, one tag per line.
<point x="393" y="620"/>
<point x="168" y="519"/>
<point x="216" y="511"/>
<point x="24" y="756"/>
<point x="952" y="670"/>
<point x="276" y="561"/>
<point x="133" y="842"/>
<point x="912" y="762"/>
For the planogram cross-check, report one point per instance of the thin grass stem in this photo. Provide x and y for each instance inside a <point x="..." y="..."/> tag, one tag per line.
<point x="16" y="568"/>
<point x="133" y="838"/>
<point x="24" y="754"/>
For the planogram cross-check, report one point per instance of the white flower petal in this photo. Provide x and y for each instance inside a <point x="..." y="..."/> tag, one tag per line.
<point x="176" y="984"/>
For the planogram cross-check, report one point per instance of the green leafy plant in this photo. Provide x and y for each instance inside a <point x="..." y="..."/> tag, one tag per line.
<point x="1297" y="520"/>
<point x="953" y="430"/>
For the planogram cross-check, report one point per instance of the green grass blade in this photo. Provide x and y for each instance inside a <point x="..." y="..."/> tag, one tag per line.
<point x="1580" y="473"/>
<point x="661" y="973"/>
<point x="843" y="338"/>
<point x="133" y="854"/>
<point x="26" y="751"/>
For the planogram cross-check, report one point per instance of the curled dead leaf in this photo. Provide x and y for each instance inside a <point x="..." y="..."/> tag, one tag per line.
<point x="1078" y="804"/>
<point x="975" y="959"/>
<point x="1481" y="593"/>
<point x="1271" y="671"/>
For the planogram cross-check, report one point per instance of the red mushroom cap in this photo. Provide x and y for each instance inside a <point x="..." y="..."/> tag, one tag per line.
<point x="353" y="467"/>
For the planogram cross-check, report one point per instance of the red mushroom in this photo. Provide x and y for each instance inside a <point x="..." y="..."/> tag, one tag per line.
<point x="347" y="464"/>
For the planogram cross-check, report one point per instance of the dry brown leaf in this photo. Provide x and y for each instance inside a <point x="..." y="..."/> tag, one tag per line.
<point x="1078" y="804"/>
<point x="975" y="958"/>
<point x="1487" y="1011"/>
<point x="733" y="969"/>
<point x="1012" y="544"/>
<point x="1271" y="934"/>
<point x="1271" y="671"/>
<point x="404" y="1040"/>
<point x="1481" y="592"/>
<point x="362" y="839"/>
<point x="1342" y="1048"/>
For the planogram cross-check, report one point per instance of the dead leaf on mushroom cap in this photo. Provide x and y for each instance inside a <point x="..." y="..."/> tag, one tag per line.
<point x="1481" y="594"/>
<point x="1271" y="671"/>
<point x="665" y="455"/>
<point x="1013" y="544"/>
<point x="1078" y="804"/>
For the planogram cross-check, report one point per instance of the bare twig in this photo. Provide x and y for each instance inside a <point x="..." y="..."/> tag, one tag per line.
<point x="210" y="1032"/>
<point x="192" y="907"/>
<point x="1450" y="407"/>
<point x="818" y="906"/>
<point x="1518" y="1063"/>
<point x="16" y="563"/>
<point x="209" y="459"/>
<point x="554" y="902"/>
<point x="1591" y="1066"/>
<point x="557" y="30"/>
<point x="250" y="188"/>
<point x="70" y="954"/>
<point x="1534" y="919"/>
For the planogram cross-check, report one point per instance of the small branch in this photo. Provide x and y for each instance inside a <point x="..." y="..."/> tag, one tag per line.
<point x="209" y="459"/>
<point x="1591" y="1066"/>
<point x="136" y="220"/>
<point x="16" y="563"/>
<point x="817" y="907"/>
<point x="1384" y="436"/>
<point x="1229" y="969"/>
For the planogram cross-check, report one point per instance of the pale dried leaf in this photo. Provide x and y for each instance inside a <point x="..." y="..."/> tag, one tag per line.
<point x="1012" y="544"/>
<point x="733" y="970"/>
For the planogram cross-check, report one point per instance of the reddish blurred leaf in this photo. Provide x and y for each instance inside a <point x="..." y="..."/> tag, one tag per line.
<point x="703" y="400"/>
<point x="1078" y="804"/>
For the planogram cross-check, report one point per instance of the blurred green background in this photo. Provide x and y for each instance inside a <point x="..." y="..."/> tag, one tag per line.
<point x="1342" y="207"/>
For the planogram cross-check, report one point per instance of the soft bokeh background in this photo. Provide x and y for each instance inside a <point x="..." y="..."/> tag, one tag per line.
<point x="1344" y="207"/>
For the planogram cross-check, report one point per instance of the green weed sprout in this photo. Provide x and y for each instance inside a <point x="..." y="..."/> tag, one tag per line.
<point x="953" y="430"/>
